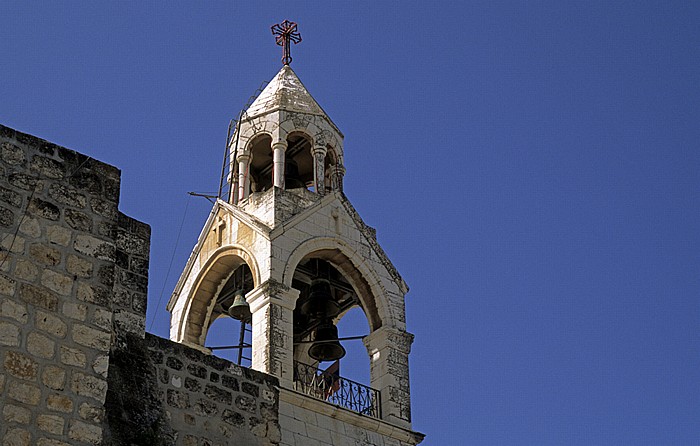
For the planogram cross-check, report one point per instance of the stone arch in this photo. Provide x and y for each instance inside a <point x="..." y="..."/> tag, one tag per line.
<point x="200" y="299"/>
<point x="373" y="296"/>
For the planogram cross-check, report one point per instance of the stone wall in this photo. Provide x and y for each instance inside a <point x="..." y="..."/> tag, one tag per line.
<point x="61" y="236"/>
<point x="164" y="393"/>
<point x="76" y="366"/>
<point x="309" y="422"/>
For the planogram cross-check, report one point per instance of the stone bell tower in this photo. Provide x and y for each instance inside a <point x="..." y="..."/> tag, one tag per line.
<point x="284" y="243"/>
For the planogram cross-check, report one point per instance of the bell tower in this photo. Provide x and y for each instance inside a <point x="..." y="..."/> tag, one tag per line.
<point x="285" y="251"/>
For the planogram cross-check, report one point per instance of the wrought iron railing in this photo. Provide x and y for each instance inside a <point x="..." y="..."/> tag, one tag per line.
<point x="337" y="390"/>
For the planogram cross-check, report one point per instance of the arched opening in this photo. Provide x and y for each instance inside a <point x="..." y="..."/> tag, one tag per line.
<point x="299" y="166"/>
<point x="260" y="169"/>
<point x="329" y="322"/>
<point x="228" y="333"/>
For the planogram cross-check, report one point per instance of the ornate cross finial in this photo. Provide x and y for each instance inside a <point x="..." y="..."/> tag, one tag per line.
<point x="286" y="33"/>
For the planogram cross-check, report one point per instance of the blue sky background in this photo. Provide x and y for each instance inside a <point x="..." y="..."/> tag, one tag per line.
<point x="532" y="169"/>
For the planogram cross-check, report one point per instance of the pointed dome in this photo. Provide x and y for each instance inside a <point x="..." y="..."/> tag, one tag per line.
<point x="285" y="92"/>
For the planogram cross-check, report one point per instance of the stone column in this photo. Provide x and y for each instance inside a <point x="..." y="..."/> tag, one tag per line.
<point x="272" y="305"/>
<point x="278" y="150"/>
<point x="243" y="177"/>
<point x="319" y="156"/>
<point x="388" y="350"/>
<point x="336" y="174"/>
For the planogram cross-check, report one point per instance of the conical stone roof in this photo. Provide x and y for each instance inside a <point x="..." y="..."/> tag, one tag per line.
<point x="285" y="92"/>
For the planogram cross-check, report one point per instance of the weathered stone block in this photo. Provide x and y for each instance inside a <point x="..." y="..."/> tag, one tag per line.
<point x="197" y="370"/>
<point x="40" y="345"/>
<point x="174" y="363"/>
<point x="58" y="235"/>
<point x="91" y="413"/>
<point x="100" y="365"/>
<point x="104" y="208"/>
<point x="44" y="209"/>
<point x="217" y="394"/>
<point x="48" y="167"/>
<point x="105" y="275"/>
<point x="52" y="424"/>
<point x="233" y="418"/>
<point x="80" y="221"/>
<point x="14" y="310"/>
<point x="230" y="382"/>
<point x="205" y="408"/>
<point x="250" y="389"/>
<point x="71" y="356"/>
<point x="26" y="270"/>
<point x="94" y="247"/>
<point x="24" y="393"/>
<point x="10" y="197"/>
<point x="45" y="255"/>
<point x="54" y="377"/>
<point x="9" y="334"/>
<point x="13" y="244"/>
<point x="86" y="181"/>
<point x="89" y="386"/>
<point x="25" y="182"/>
<point x="16" y="414"/>
<point x="85" y="433"/>
<point x="11" y="154"/>
<point x="192" y="385"/>
<point x="50" y="324"/>
<point x="133" y="282"/>
<point x="7" y="285"/>
<point x="92" y="338"/>
<point x="30" y="227"/>
<point x="67" y="195"/>
<point x="16" y="437"/>
<point x="246" y="403"/>
<point x="75" y="311"/>
<point x="102" y="318"/>
<point x="20" y="365"/>
<point x="132" y="244"/>
<point x="59" y="403"/>
<point x="38" y="296"/>
<point x="79" y="267"/>
<point x="178" y="399"/>
<point x="7" y="217"/>
<point x="95" y="295"/>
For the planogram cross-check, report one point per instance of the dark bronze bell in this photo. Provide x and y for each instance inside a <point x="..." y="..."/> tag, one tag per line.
<point x="239" y="309"/>
<point x="320" y="303"/>
<point x="326" y="346"/>
<point x="291" y="175"/>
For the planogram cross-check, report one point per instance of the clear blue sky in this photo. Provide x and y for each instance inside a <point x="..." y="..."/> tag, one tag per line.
<point x="532" y="169"/>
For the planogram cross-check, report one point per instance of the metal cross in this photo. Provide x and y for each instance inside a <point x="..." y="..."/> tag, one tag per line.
<point x="286" y="33"/>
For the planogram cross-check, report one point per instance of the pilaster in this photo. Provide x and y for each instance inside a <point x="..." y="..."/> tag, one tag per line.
<point x="272" y="305"/>
<point x="388" y="350"/>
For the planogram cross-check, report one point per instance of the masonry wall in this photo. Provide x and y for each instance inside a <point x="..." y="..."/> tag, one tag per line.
<point x="76" y="366"/>
<point x="61" y="238"/>
<point x="164" y="393"/>
<point x="307" y="422"/>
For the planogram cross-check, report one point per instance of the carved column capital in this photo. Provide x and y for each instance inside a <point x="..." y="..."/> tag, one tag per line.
<point x="272" y="291"/>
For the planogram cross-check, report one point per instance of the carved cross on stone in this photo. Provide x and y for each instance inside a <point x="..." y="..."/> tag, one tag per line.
<point x="219" y="231"/>
<point x="285" y="34"/>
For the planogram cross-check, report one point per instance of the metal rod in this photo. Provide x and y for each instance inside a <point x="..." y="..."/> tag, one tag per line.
<point x="349" y="338"/>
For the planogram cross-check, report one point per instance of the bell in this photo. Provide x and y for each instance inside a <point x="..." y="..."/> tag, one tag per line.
<point x="239" y="309"/>
<point x="320" y="303"/>
<point x="326" y="346"/>
<point x="291" y="175"/>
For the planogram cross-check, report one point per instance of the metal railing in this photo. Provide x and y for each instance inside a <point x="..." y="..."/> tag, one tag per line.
<point x="337" y="390"/>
